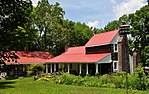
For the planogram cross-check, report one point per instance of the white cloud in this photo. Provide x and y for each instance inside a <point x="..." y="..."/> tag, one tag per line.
<point x="35" y="2"/>
<point x="127" y="7"/>
<point x="113" y="1"/>
<point x="93" y="24"/>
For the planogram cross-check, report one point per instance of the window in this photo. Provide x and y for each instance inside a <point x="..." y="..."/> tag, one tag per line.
<point x="115" y="48"/>
<point x="115" y="66"/>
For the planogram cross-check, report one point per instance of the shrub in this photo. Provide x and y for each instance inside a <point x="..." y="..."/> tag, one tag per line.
<point x="69" y="79"/>
<point x="78" y="81"/>
<point x="147" y="83"/>
<point x="35" y="69"/>
<point x="121" y="74"/>
<point x="106" y="79"/>
<point x="137" y="80"/>
<point x="92" y="81"/>
<point x="119" y="79"/>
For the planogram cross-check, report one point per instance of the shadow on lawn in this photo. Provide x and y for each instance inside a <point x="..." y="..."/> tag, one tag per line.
<point x="8" y="84"/>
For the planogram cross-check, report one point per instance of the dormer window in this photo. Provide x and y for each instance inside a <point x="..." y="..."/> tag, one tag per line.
<point x="115" y="47"/>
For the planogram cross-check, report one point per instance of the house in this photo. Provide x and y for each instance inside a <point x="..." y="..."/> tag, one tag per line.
<point x="18" y="65"/>
<point x="104" y="53"/>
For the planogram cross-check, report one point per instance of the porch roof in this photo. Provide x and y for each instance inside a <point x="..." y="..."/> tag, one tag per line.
<point x="77" y="55"/>
<point x="30" y="57"/>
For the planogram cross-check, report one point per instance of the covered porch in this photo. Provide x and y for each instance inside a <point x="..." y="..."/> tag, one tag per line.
<point x="79" y="68"/>
<point x="76" y="61"/>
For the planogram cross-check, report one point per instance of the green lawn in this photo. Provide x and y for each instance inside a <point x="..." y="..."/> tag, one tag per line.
<point x="28" y="86"/>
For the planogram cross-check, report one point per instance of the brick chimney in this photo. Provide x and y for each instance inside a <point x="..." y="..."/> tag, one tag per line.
<point x="123" y="49"/>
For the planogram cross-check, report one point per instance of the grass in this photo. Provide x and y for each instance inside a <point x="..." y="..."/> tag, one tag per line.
<point x="29" y="86"/>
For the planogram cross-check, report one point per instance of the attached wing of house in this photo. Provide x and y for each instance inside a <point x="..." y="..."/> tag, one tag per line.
<point x="96" y="53"/>
<point x="80" y="54"/>
<point x="30" y="57"/>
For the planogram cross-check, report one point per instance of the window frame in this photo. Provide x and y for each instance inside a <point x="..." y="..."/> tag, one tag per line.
<point x="115" y="46"/>
<point x="115" y="69"/>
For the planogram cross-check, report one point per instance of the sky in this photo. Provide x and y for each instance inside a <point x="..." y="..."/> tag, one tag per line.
<point x="96" y="13"/>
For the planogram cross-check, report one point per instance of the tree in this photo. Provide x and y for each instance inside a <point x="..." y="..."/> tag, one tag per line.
<point x="14" y="15"/>
<point x="112" y="26"/>
<point x="36" y="69"/>
<point x="70" y="34"/>
<point x="47" y="17"/>
<point x="55" y="33"/>
<point x="140" y="32"/>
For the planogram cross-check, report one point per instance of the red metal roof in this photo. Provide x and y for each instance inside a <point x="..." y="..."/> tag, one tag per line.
<point x="31" y="57"/>
<point x="102" y="38"/>
<point x="77" y="55"/>
<point x="75" y="50"/>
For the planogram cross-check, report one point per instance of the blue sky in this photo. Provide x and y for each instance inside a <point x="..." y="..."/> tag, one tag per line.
<point x="97" y="13"/>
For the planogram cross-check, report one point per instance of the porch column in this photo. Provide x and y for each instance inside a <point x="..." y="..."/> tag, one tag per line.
<point x="96" y="67"/>
<point x="80" y="66"/>
<point x="23" y="68"/>
<point x="68" y="68"/>
<point x="54" y="67"/>
<point x="59" y="66"/>
<point x="46" y="68"/>
<point x="63" y="67"/>
<point x="51" y="67"/>
<point x="86" y="68"/>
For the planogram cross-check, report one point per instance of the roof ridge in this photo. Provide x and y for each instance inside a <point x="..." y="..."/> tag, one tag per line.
<point x="76" y="47"/>
<point x="107" y="31"/>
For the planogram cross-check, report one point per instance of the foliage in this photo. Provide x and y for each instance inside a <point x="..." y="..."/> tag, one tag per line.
<point x="48" y="31"/>
<point x="113" y="25"/>
<point x="47" y="19"/>
<point x="119" y="79"/>
<point x="92" y="81"/>
<point x="29" y="86"/>
<point x="138" y="79"/>
<point x="106" y="79"/>
<point x="43" y="79"/>
<point x="35" y="69"/>
<point x="45" y="87"/>
<point x="132" y="91"/>
<point x="14" y="15"/>
<point x="140" y="31"/>
<point x="69" y="79"/>
<point x="40" y="28"/>
<point x="139" y="39"/>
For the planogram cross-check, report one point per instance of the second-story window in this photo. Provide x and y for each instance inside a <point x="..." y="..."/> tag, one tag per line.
<point x="115" y="48"/>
